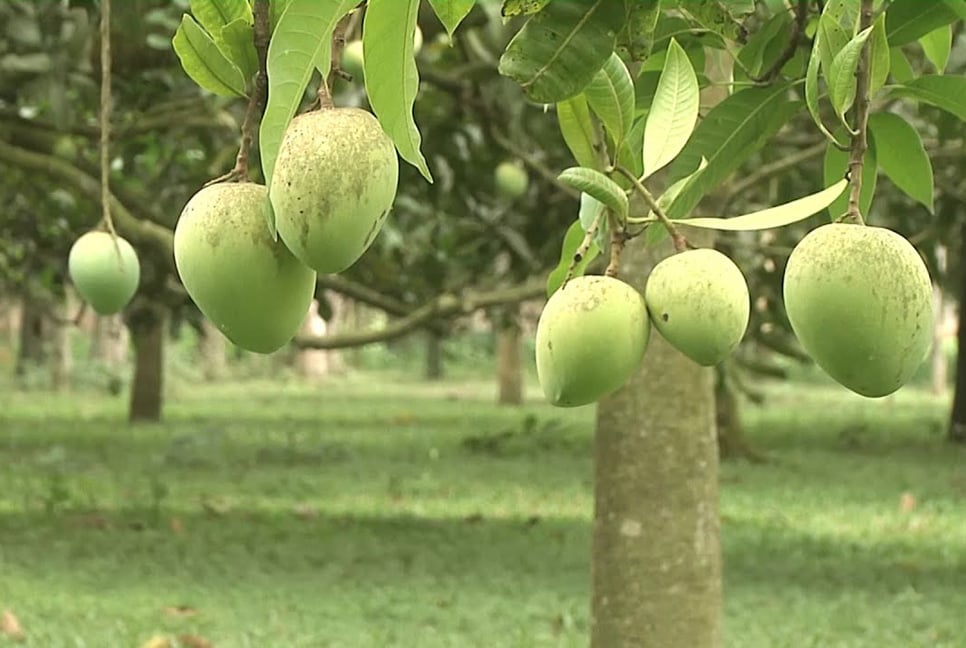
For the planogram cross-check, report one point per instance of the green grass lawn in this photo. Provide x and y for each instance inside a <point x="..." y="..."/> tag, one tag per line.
<point x="364" y="514"/>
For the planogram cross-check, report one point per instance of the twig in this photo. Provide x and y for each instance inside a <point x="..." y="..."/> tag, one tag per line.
<point x="680" y="243"/>
<point x="798" y="30"/>
<point x="618" y="237"/>
<point x="859" y="138"/>
<point x="338" y="45"/>
<point x="256" y="101"/>
<point x="581" y="251"/>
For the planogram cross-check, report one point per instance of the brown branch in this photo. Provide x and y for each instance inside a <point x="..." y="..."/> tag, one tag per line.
<point x="680" y="243"/>
<point x="618" y="238"/>
<point x="338" y="45"/>
<point x="859" y="138"/>
<point x="443" y="306"/>
<point x="581" y="250"/>
<point x="798" y="30"/>
<point x="766" y="171"/>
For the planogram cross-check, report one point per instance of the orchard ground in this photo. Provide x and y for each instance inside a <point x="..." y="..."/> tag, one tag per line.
<point x="376" y="510"/>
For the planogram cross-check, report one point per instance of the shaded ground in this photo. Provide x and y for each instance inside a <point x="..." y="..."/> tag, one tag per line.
<point x="365" y="514"/>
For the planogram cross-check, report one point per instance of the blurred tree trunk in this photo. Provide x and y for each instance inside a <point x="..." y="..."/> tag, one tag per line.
<point x="940" y="373"/>
<point x="732" y="443"/>
<point x="147" y="323"/>
<point x="212" y="348"/>
<point x="434" y="356"/>
<point x="312" y="363"/>
<point x="656" y="556"/>
<point x="508" y="352"/>
<point x="31" y="351"/>
<point x="62" y="358"/>
<point x="957" y="423"/>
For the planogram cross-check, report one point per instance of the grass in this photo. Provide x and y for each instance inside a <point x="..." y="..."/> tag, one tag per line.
<point x="374" y="513"/>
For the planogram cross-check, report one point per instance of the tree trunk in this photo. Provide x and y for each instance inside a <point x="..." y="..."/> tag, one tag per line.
<point x="508" y="352"/>
<point x="656" y="556"/>
<point x="312" y="363"/>
<point x="147" y="323"/>
<point x="31" y="351"/>
<point x="940" y="373"/>
<point x="957" y="423"/>
<point x="732" y="443"/>
<point x="211" y="348"/>
<point x="62" y="358"/>
<point x="434" y="356"/>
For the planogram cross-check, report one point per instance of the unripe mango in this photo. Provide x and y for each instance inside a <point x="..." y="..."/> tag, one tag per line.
<point x="335" y="179"/>
<point x="698" y="300"/>
<point x="250" y="286"/>
<point x="353" y="58"/>
<point x="591" y="337"/>
<point x="859" y="299"/>
<point x="511" y="179"/>
<point x="105" y="274"/>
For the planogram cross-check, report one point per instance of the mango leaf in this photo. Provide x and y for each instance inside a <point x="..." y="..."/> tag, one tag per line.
<point x="715" y="17"/>
<point x="392" y="80"/>
<point x="902" y="156"/>
<point x="522" y="7"/>
<point x="657" y="234"/>
<point x="572" y="241"/>
<point x="596" y="184"/>
<point x="644" y="90"/>
<point x="899" y="66"/>
<point x="560" y="49"/>
<point x="826" y="45"/>
<point x="729" y="134"/>
<point x="215" y="14"/>
<point x="673" y="113"/>
<point x="579" y="133"/>
<point x="590" y="209"/>
<point x="611" y="96"/>
<point x="835" y="167"/>
<point x="879" y="59"/>
<point x="637" y="37"/>
<point x="937" y="45"/>
<point x="451" y="12"/>
<point x="275" y="10"/>
<point x="841" y="77"/>
<point x="238" y="45"/>
<point x="631" y="153"/>
<point x="299" y="43"/>
<point x="779" y="216"/>
<point x="204" y="62"/>
<point x="908" y="20"/>
<point x="947" y="92"/>
<point x="752" y="54"/>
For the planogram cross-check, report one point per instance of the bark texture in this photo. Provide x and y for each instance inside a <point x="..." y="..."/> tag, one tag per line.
<point x="434" y="356"/>
<point x="656" y="565"/>
<point x="31" y="350"/>
<point x="508" y="357"/>
<point x="940" y="373"/>
<point x="61" y="356"/>
<point x="212" y="347"/>
<point x="147" y="323"/>
<point x="957" y="423"/>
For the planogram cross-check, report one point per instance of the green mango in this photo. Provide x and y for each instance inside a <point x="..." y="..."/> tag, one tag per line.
<point x="859" y="299"/>
<point x="511" y="179"/>
<point x="591" y="337"/>
<point x="105" y="274"/>
<point x="698" y="300"/>
<point x="249" y="285"/>
<point x="335" y="180"/>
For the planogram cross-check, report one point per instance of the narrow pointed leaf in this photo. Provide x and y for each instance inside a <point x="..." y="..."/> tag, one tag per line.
<point x="902" y="156"/>
<point x="213" y="15"/>
<point x="908" y="20"/>
<point x="947" y="92"/>
<point x="204" y="62"/>
<point x="451" y="12"/>
<point x="880" y="60"/>
<point x="637" y="37"/>
<point x="572" y="241"/>
<point x="579" y="133"/>
<point x="560" y="49"/>
<point x="611" y="96"/>
<point x="673" y="112"/>
<point x="392" y="80"/>
<point x="899" y="66"/>
<point x="937" y="46"/>
<point x="238" y="45"/>
<point x="773" y="217"/>
<point x="841" y="77"/>
<point x="596" y="184"/>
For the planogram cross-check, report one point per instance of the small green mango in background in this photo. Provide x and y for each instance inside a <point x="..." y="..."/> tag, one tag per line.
<point x="335" y="180"/>
<point x="250" y="286"/>
<point x="353" y="59"/>
<point x="591" y="337"/>
<point x="859" y="299"/>
<point x="105" y="271"/>
<point x="511" y="179"/>
<point x="698" y="300"/>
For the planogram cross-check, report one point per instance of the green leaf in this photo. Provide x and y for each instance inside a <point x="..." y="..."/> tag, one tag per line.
<point x="879" y="58"/>
<point x="572" y="241"/>
<point x="204" y="62"/>
<point x="835" y="167"/>
<point x="779" y="216"/>
<point x="300" y="42"/>
<point x="841" y="77"/>
<point x="644" y="90"/>
<point x="215" y="14"/>
<point x="947" y="92"/>
<point x="752" y="54"/>
<point x="937" y="45"/>
<point x="712" y="15"/>
<point x="908" y="20"/>
<point x="729" y="134"/>
<point x="590" y="209"/>
<point x="560" y="49"/>
<point x="673" y="113"/>
<point x="579" y="133"/>
<point x="827" y="44"/>
<point x="238" y="45"/>
<point x="611" y="96"/>
<point x="657" y="234"/>
<point x="451" y="12"/>
<point x="522" y="7"/>
<point x="899" y="66"/>
<point x="596" y="184"/>
<point x="630" y="155"/>
<point x="902" y="157"/>
<point x="276" y="8"/>
<point x="637" y="37"/>
<point x="392" y="80"/>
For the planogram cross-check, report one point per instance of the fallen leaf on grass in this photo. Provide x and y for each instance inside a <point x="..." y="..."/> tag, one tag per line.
<point x="10" y="626"/>
<point x="177" y="526"/>
<point x="194" y="641"/>
<point x="907" y="502"/>
<point x="180" y="611"/>
<point x="157" y="641"/>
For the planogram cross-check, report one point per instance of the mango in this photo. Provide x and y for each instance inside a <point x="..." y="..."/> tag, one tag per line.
<point x="859" y="299"/>
<point x="105" y="274"/>
<point x="250" y="286"/>
<point x="335" y="180"/>
<point x="353" y="59"/>
<point x="698" y="300"/>
<point x="591" y="337"/>
<point x="511" y="179"/>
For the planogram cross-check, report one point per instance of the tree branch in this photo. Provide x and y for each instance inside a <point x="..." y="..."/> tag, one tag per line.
<point x="798" y="30"/>
<point x="680" y="243"/>
<point x="766" y="171"/>
<point x="443" y="306"/>
<point x="859" y="138"/>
